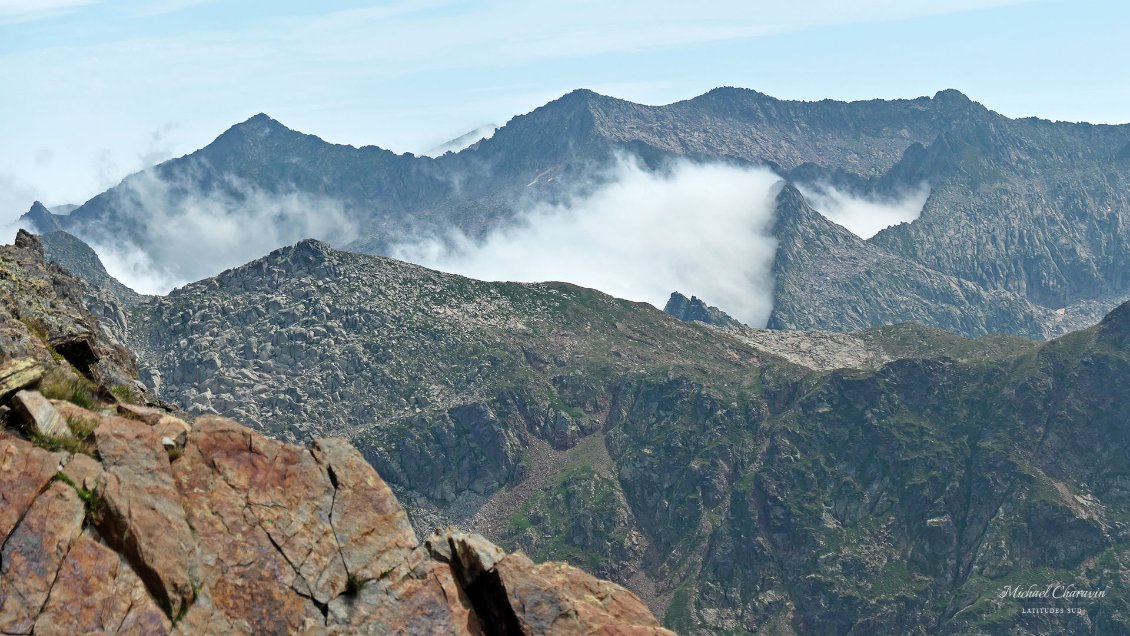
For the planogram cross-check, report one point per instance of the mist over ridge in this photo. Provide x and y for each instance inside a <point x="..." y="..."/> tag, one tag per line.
<point x="639" y="236"/>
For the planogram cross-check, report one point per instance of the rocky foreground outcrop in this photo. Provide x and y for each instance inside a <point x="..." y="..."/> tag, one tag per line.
<point x="118" y="517"/>
<point x="232" y="532"/>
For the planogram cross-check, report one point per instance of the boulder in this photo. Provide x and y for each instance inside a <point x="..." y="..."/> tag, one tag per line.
<point x="38" y="416"/>
<point x="511" y="591"/>
<point x="555" y="598"/>
<point x="261" y="512"/>
<point x="168" y="426"/>
<point x="419" y="596"/>
<point x="17" y="374"/>
<point x="85" y="471"/>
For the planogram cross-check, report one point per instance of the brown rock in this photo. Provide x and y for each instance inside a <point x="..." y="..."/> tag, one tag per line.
<point x="261" y="512"/>
<point x="372" y="529"/>
<point x="548" y="598"/>
<point x="38" y="416"/>
<point x="142" y="510"/>
<point x="32" y="556"/>
<point x="555" y="598"/>
<point x="167" y="426"/>
<point x="420" y="596"/>
<point x="204" y="618"/>
<point x="84" y="471"/>
<point x="475" y="554"/>
<point x="146" y="414"/>
<point x="174" y="429"/>
<point x="97" y="591"/>
<point x="24" y="472"/>
<point x="18" y="374"/>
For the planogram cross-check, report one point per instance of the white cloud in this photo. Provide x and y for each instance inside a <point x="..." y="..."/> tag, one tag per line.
<point x="865" y="216"/>
<point x="700" y="229"/>
<point x="187" y="238"/>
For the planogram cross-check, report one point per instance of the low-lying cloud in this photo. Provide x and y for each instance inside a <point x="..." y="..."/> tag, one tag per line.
<point x="186" y="235"/>
<point x="865" y="216"/>
<point x="702" y="229"/>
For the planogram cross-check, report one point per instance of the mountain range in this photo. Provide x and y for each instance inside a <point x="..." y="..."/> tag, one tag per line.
<point x="933" y="421"/>
<point x="888" y="480"/>
<point x="1024" y="230"/>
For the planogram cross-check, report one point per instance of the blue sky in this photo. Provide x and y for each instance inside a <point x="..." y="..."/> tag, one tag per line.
<point x="96" y="89"/>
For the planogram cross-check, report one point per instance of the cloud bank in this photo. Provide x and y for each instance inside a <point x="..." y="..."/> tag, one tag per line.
<point x="701" y="229"/>
<point x="864" y="216"/>
<point x="188" y="235"/>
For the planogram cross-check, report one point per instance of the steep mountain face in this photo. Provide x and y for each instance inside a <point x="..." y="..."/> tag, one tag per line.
<point x="80" y="259"/>
<point x="123" y="518"/>
<point x="896" y="480"/>
<point x="1026" y="210"/>
<point x="827" y="278"/>
<point x="1025" y="205"/>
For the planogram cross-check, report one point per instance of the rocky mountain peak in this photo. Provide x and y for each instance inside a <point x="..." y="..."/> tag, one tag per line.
<point x="260" y="124"/>
<point x="794" y="214"/>
<point x="254" y="133"/>
<point x="40" y="218"/>
<point x="694" y="309"/>
<point x="952" y="96"/>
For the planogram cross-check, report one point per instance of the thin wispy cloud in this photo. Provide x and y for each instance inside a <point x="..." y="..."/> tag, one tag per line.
<point x="164" y="7"/>
<point x="16" y="11"/>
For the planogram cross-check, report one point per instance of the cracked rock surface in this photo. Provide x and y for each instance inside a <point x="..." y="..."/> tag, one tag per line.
<point x="244" y="534"/>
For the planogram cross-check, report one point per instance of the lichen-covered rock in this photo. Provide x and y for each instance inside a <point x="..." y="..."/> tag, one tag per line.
<point x="45" y="304"/>
<point x="17" y="374"/>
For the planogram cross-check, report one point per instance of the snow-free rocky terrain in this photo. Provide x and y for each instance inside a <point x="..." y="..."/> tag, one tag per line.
<point x="1026" y="229"/>
<point x="886" y="480"/>
<point x="122" y="518"/>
